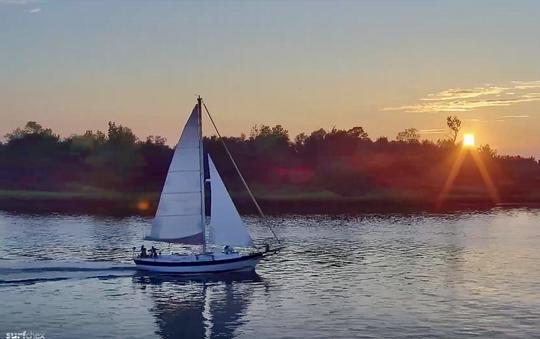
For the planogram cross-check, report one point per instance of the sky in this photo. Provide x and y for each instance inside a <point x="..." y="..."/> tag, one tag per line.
<point x="383" y="65"/>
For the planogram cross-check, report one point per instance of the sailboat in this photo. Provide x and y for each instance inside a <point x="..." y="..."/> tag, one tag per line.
<point x="180" y="216"/>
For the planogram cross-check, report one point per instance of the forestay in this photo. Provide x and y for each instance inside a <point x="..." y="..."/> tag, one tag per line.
<point x="178" y="216"/>
<point x="226" y="226"/>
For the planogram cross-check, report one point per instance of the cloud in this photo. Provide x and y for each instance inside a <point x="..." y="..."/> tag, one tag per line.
<point x="34" y="10"/>
<point x="16" y="2"/>
<point x="463" y="100"/>
<point x="526" y="84"/>
<point x="457" y="93"/>
<point x="433" y="131"/>
<point x="515" y="116"/>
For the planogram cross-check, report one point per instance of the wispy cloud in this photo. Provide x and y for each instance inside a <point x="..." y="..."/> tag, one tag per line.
<point x="462" y="100"/>
<point x="515" y="116"/>
<point x="526" y="84"/>
<point x="34" y="10"/>
<point x="433" y="131"/>
<point x="17" y="2"/>
<point x="457" y="93"/>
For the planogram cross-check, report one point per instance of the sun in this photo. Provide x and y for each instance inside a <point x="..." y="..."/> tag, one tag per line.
<point x="468" y="140"/>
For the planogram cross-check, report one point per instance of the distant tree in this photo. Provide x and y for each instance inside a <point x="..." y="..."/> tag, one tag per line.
<point x="382" y="140"/>
<point x="300" y="140"/>
<point x="156" y="140"/>
<point x="454" y="124"/>
<point x="358" y="132"/>
<point x="266" y="131"/>
<point x="409" y="135"/>
<point x="487" y="151"/>
<point x="86" y="142"/>
<point x="445" y="144"/>
<point x="428" y="143"/>
<point x="120" y="135"/>
<point x="279" y="131"/>
<point x="317" y="135"/>
<point x="355" y="133"/>
<point x="31" y="127"/>
<point x="266" y="137"/>
<point x="311" y="146"/>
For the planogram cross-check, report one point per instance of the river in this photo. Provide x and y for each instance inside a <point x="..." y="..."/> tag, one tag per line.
<point x="394" y="275"/>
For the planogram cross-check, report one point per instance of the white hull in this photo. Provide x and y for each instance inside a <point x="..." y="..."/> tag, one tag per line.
<point x="212" y="263"/>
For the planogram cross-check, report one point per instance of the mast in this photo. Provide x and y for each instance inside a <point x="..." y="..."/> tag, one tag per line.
<point x="201" y="159"/>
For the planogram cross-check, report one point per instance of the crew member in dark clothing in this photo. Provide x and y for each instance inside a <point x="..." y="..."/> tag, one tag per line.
<point x="153" y="252"/>
<point x="143" y="251"/>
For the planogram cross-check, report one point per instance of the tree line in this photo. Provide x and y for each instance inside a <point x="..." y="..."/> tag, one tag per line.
<point x="324" y="163"/>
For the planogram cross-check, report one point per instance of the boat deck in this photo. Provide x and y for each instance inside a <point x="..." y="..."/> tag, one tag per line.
<point x="178" y="257"/>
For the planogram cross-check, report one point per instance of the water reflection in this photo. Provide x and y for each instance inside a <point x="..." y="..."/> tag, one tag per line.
<point x="424" y="275"/>
<point x="198" y="306"/>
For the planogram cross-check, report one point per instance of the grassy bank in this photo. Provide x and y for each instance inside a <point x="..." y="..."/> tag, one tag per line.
<point x="93" y="202"/>
<point x="118" y="203"/>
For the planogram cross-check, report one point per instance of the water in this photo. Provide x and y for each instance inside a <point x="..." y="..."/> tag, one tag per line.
<point x="455" y="275"/>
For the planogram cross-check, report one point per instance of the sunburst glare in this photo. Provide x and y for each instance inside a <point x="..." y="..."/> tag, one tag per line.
<point x="468" y="140"/>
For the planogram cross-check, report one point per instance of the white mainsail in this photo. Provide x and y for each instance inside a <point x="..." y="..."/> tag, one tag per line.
<point x="178" y="216"/>
<point x="226" y="226"/>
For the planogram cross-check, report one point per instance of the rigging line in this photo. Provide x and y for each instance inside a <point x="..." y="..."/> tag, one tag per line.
<point x="238" y="171"/>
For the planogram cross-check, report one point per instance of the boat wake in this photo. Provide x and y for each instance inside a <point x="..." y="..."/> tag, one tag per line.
<point x="37" y="271"/>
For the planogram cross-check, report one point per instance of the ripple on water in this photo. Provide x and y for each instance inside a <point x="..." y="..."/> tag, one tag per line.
<point x="458" y="275"/>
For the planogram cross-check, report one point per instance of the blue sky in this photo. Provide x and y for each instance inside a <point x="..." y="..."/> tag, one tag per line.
<point x="383" y="65"/>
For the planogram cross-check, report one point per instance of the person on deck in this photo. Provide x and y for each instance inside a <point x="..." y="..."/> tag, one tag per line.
<point x="153" y="252"/>
<point x="143" y="251"/>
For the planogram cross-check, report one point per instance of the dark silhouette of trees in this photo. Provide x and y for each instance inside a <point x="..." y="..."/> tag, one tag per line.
<point x="31" y="128"/>
<point x="324" y="163"/>
<point x="487" y="151"/>
<point x="409" y="135"/>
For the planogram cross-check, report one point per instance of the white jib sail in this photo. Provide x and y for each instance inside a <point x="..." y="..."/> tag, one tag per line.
<point x="178" y="216"/>
<point x="226" y="226"/>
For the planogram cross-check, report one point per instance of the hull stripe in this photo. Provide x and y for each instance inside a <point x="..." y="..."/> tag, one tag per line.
<point x="243" y="268"/>
<point x="195" y="263"/>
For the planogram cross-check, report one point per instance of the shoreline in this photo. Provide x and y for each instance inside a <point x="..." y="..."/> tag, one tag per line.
<point x="144" y="204"/>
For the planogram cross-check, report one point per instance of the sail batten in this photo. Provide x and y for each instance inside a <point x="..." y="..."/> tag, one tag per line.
<point x="226" y="226"/>
<point x="178" y="216"/>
